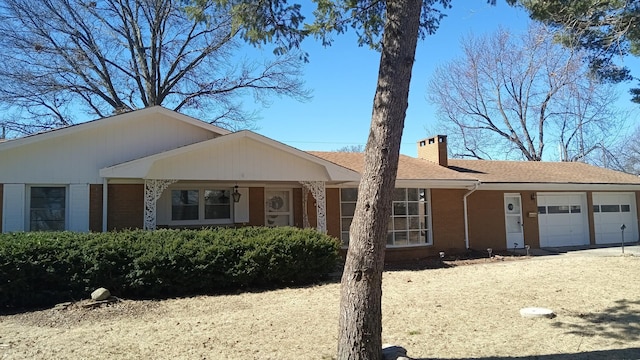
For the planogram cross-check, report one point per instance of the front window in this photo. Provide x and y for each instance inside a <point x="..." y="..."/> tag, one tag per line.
<point x="217" y="204"/>
<point x="409" y="222"/>
<point x="47" y="208"/>
<point x="185" y="204"/>
<point x="201" y="205"/>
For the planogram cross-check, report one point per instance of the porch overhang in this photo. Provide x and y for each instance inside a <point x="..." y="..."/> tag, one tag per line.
<point x="241" y="156"/>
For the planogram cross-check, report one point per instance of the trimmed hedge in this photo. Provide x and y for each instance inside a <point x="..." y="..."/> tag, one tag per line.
<point x="44" y="268"/>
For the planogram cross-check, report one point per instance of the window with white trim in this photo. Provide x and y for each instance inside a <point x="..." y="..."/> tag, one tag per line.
<point x="201" y="206"/>
<point x="410" y="216"/>
<point x="47" y="208"/>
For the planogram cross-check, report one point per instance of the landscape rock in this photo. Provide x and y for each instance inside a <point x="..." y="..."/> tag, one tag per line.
<point x="100" y="294"/>
<point x="394" y="352"/>
<point x="537" y="312"/>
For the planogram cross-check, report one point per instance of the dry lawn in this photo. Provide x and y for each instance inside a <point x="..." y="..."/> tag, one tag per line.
<point x="461" y="312"/>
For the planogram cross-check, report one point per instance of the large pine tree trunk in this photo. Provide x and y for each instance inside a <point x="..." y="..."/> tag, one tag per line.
<point x="360" y="332"/>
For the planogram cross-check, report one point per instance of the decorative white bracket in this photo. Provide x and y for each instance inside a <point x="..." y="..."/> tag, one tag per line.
<point x="317" y="189"/>
<point x="153" y="189"/>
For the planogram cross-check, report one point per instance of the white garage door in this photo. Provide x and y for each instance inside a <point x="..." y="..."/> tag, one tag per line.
<point x="562" y="218"/>
<point x="610" y="211"/>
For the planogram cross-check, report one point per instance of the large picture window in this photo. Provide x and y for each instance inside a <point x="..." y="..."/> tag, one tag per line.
<point x="47" y="208"/>
<point x="201" y="205"/>
<point x="409" y="222"/>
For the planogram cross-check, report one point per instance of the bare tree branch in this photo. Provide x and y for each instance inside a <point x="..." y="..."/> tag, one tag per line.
<point x="109" y="56"/>
<point x="515" y="95"/>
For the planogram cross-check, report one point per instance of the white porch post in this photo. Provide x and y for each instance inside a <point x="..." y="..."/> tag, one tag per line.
<point x="153" y="189"/>
<point x="317" y="189"/>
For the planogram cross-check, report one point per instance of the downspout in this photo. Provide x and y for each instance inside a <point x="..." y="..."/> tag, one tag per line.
<point x="105" y="197"/>
<point x="466" y="215"/>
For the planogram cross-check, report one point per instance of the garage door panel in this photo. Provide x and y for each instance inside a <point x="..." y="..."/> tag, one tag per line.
<point x="562" y="220"/>
<point x="611" y="210"/>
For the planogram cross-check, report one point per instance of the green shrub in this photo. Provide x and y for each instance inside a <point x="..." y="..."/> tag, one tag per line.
<point x="44" y="268"/>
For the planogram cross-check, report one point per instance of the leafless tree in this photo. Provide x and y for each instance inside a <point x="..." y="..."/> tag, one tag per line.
<point x="64" y="57"/>
<point x="513" y="97"/>
<point x="351" y="148"/>
<point x="627" y="154"/>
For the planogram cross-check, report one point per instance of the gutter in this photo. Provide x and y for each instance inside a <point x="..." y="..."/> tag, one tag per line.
<point x="466" y="216"/>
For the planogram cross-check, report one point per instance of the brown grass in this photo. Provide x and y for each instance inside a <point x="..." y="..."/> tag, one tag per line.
<point x="460" y="312"/>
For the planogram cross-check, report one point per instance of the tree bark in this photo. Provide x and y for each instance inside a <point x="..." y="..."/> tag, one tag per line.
<point x="360" y="328"/>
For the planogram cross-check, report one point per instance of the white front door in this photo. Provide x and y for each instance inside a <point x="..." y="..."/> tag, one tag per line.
<point x="278" y="207"/>
<point x="513" y="221"/>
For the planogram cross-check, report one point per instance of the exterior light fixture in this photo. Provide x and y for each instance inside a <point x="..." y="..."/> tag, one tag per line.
<point x="236" y="195"/>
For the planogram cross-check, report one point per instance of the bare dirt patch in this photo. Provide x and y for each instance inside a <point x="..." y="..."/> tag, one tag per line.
<point x="444" y="313"/>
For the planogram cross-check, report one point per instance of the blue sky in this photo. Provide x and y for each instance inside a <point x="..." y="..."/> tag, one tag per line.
<point x="343" y="78"/>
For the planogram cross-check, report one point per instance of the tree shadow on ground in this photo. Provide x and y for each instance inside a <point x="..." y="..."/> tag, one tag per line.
<point x="469" y="257"/>
<point x="614" y="354"/>
<point x="619" y="322"/>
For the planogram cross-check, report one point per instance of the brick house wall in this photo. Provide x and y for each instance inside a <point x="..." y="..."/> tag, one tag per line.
<point x="487" y="228"/>
<point x="447" y="212"/>
<point x="531" y="226"/>
<point x="487" y="220"/>
<point x="297" y="208"/>
<point x="95" y="207"/>
<point x="590" y="217"/>
<point x="126" y="206"/>
<point x="333" y="212"/>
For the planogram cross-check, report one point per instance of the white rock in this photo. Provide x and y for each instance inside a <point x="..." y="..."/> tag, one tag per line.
<point x="536" y="312"/>
<point x="100" y="294"/>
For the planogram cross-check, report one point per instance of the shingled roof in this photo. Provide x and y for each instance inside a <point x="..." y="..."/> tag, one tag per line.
<point x="409" y="168"/>
<point x="492" y="171"/>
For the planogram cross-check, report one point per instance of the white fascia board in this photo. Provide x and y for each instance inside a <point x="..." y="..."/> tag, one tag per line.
<point x="423" y="184"/>
<point x="51" y="134"/>
<point x="136" y="169"/>
<point x="559" y="187"/>
<point x="436" y="183"/>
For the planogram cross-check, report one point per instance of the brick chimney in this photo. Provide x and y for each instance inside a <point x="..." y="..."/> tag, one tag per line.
<point x="434" y="149"/>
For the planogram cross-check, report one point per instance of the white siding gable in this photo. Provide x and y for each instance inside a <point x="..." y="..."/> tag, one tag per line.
<point x="76" y="156"/>
<point x="244" y="159"/>
<point x="239" y="156"/>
